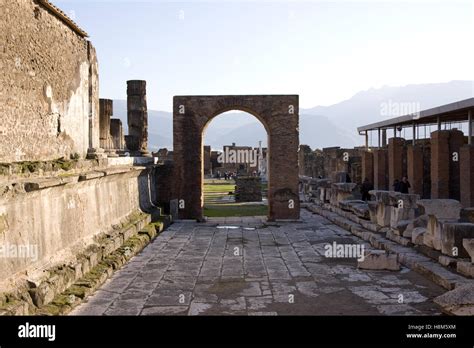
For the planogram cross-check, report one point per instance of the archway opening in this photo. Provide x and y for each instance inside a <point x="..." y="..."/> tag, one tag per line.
<point x="235" y="170"/>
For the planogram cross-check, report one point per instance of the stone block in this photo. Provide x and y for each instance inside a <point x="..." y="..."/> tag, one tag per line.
<point x="447" y="261"/>
<point x="379" y="260"/>
<point x="459" y="301"/>
<point x="401" y="227"/>
<point x="452" y="236"/>
<point x="442" y="208"/>
<point x="465" y="268"/>
<point x="417" y="236"/>
<point x="468" y="245"/>
<point x="248" y="189"/>
<point x="342" y="192"/>
<point x="434" y="231"/>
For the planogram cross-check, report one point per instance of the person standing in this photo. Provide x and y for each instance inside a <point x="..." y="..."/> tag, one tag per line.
<point x="365" y="188"/>
<point x="396" y="185"/>
<point x="404" y="185"/>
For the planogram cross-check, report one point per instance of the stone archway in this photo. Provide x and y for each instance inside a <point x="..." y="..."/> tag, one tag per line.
<point x="279" y="116"/>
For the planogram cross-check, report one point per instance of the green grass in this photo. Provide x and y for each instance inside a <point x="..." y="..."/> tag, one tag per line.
<point x="216" y="189"/>
<point x="234" y="209"/>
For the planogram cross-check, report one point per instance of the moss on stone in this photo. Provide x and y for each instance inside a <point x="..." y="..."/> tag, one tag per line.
<point x="78" y="291"/>
<point x="29" y="167"/>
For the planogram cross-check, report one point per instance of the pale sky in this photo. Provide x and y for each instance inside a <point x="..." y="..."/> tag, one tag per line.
<point x="324" y="51"/>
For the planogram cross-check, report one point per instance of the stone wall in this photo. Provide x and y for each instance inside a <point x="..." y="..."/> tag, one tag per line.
<point x="331" y="162"/>
<point x="60" y="216"/>
<point x="49" y="86"/>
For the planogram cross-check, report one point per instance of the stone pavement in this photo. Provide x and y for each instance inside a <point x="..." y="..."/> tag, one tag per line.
<point x="280" y="269"/>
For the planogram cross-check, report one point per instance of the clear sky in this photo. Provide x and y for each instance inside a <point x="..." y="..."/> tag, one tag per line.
<point x="325" y="51"/>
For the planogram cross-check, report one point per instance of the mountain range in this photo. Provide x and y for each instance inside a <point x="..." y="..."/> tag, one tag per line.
<point x="320" y="126"/>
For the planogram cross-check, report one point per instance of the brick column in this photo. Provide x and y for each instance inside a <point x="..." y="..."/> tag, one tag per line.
<point x="466" y="162"/>
<point x="380" y="169"/>
<point x="415" y="169"/>
<point x="105" y="112"/>
<point x="456" y="141"/>
<point x="137" y="118"/>
<point x="368" y="166"/>
<point x="440" y="159"/>
<point x="396" y="160"/>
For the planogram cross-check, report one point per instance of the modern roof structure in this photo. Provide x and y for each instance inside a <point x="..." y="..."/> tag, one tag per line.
<point x="454" y="112"/>
<point x="63" y="17"/>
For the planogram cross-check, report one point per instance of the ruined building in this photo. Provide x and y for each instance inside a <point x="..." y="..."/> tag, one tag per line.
<point x="70" y="198"/>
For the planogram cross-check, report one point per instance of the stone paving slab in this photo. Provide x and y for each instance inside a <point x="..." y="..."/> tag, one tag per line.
<point x="279" y="269"/>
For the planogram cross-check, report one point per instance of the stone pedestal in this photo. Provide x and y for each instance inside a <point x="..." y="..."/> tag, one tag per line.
<point x="415" y="168"/>
<point x="396" y="160"/>
<point x="137" y="118"/>
<point x="248" y="189"/>
<point x="380" y="169"/>
<point x="466" y="160"/>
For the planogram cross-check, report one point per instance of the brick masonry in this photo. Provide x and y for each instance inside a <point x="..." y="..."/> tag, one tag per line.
<point x="467" y="179"/>
<point x="368" y="166"/>
<point x="381" y="169"/>
<point x="445" y="169"/>
<point x="440" y="158"/>
<point x="456" y="140"/>
<point x="396" y="159"/>
<point x="278" y="114"/>
<point x="415" y="168"/>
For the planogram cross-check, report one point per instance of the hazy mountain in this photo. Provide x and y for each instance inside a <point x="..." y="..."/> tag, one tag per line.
<point x="160" y="125"/>
<point x="370" y="106"/>
<point x="321" y="126"/>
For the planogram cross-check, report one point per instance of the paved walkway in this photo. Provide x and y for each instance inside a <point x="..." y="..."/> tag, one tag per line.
<point x="197" y="268"/>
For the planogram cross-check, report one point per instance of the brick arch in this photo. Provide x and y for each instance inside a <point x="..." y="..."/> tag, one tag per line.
<point x="191" y="114"/>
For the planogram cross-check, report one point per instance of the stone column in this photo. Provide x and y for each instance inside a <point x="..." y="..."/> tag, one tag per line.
<point x="415" y="169"/>
<point x="381" y="169"/>
<point x="137" y="117"/>
<point x="396" y="160"/>
<point x="466" y="160"/>
<point x="368" y="166"/>
<point x="440" y="158"/>
<point x="116" y="132"/>
<point x="105" y="112"/>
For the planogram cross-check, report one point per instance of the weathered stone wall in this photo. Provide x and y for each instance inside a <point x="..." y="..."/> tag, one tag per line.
<point x="60" y="220"/>
<point x="49" y="86"/>
<point x="311" y="163"/>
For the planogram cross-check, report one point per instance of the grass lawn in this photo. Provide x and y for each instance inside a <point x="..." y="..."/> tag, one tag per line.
<point x="234" y="209"/>
<point x="214" y="206"/>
